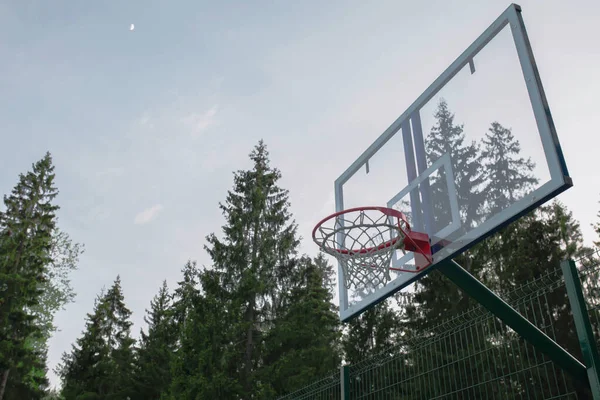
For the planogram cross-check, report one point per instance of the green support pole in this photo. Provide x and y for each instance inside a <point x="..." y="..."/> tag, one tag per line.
<point x="345" y="382"/>
<point x="502" y="310"/>
<point x="583" y="325"/>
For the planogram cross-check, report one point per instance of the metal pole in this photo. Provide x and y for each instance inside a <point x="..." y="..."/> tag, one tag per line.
<point x="502" y="310"/>
<point x="345" y="382"/>
<point x="582" y="325"/>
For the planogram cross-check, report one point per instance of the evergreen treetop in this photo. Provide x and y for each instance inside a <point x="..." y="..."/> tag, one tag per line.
<point x="508" y="175"/>
<point x="447" y="137"/>
<point x="100" y="365"/>
<point x="26" y="228"/>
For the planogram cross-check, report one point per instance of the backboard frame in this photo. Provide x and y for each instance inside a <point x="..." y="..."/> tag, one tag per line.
<point x="559" y="175"/>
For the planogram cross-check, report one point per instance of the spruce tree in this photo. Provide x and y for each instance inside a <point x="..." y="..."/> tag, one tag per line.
<point x="434" y="296"/>
<point x="523" y="252"/>
<point x="370" y="333"/>
<point x="529" y="247"/>
<point x="152" y="374"/>
<point x="504" y="261"/>
<point x="204" y="366"/>
<point x="447" y="137"/>
<point x="508" y="175"/>
<point x="183" y="361"/>
<point x="328" y="270"/>
<point x="528" y="250"/>
<point x="28" y="379"/>
<point x="434" y="299"/>
<point x="185" y="295"/>
<point x="25" y="244"/>
<point x="259" y="239"/>
<point x="303" y="343"/>
<point x="85" y="370"/>
<point x="118" y="333"/>
<point x="100" y="365"/>
<point x="368" y="338"/>
<point x="486" y="183"/>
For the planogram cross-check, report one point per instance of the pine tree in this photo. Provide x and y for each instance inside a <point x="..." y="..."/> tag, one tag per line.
<point x="446" y="137"/>
<point x="258" y="241"/>
<point x="25" y="245"/>
<point x="152" y="375"/>
<point x="508" y="176"/>
<point x="100" y="365"/>
<point x="304" y="341"/>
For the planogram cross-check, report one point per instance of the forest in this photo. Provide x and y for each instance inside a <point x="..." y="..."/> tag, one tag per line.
<point x="261" y="320"/>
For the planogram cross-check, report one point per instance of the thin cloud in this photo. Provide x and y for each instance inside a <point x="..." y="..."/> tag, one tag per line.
<point x="199" y="122"/>
<point x="146" y="120"/>
<point x="148" y="214"/>
<point x="184" y="122"/>
<point x="110" y="172"/>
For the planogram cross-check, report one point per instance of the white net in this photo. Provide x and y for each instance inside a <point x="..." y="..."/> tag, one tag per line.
<point x="364" y="241"/>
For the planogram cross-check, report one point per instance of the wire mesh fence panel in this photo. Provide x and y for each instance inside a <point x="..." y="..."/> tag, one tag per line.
<point x="589" y="273"/>
<point x="327" y="388"/>
<point x="476" y="356"/>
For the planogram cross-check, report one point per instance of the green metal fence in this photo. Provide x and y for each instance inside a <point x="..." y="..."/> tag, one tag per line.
<point x="328" y="388"/>
<point x="589" y="275"/>
<point x="475" y="356"/>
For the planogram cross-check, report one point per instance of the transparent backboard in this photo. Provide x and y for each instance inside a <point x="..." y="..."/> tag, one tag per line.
<point x="475" y="151"/>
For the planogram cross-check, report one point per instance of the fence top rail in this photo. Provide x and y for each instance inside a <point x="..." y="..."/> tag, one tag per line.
<point x="331" y="380"/>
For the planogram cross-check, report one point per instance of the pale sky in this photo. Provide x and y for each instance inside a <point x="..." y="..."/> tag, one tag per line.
<point x="146" y="125"/>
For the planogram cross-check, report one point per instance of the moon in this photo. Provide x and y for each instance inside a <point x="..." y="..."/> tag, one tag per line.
<point x="131" y="27"/>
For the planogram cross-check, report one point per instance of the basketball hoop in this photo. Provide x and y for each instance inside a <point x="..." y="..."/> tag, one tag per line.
<point x="364" y="240"/>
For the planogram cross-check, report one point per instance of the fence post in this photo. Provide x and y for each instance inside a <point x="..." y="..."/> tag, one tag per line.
<point x="345" y="382"/>
<point x="582" y="325"/>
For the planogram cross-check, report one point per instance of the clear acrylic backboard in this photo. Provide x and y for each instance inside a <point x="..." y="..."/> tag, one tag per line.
<point x="477" y="150"/>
